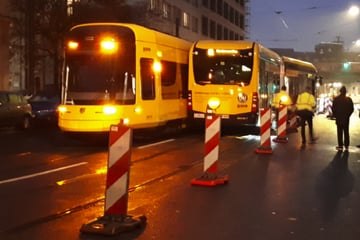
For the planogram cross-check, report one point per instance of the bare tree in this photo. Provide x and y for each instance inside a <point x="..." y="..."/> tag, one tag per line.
<point x="41" y="24"/>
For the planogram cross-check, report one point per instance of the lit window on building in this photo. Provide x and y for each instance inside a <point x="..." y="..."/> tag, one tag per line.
<point x="155" y="4"/>
<point x="186" y="20"/>
<point x="69" y="5"/>
<point x="166" y="10"/>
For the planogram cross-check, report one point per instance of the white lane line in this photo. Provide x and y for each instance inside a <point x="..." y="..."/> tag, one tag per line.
<point x="42" y="173"/>
<point x="157" y="143"/>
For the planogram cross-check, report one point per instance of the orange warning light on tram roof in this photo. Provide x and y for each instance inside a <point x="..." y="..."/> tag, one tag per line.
<point x="108" y="45"/>
<point x="72" y="45"/>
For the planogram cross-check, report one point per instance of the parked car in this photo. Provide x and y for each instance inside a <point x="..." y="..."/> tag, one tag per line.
<point x="14" y="110"/>
<point x="44" y="107"/>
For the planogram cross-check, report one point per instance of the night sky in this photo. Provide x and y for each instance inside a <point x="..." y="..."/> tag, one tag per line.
<point x="303" y="24"/>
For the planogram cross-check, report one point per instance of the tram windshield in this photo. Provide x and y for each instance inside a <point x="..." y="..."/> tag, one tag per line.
<point x="95" y="75"/>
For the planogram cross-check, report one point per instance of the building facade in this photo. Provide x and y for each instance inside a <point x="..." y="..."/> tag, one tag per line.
<point x="335" y="66"/>
<point x="4" y="46"/>
<point x="188" y="19"/>
<point x="199" y="19"/>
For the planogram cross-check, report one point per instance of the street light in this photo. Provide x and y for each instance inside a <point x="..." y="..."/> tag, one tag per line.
<point x="354" y="11"/>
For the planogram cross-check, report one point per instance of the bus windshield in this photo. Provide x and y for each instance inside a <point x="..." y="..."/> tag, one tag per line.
<point x="223" y="67"/>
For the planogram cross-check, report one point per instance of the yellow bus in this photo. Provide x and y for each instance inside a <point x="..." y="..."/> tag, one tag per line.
<point x="233" y="78"/>
<point x="122" y="72"/>
<point x="297" y="75"/>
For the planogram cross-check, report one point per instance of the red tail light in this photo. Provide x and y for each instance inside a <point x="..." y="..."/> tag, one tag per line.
<point x="255" y="102"/>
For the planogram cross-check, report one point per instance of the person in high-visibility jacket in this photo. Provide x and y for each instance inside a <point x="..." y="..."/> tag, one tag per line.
<point x="281" y="98"/>
<point x="305" y="105"/>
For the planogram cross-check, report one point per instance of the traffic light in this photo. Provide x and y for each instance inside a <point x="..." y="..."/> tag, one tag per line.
<point x="346" y="66"/>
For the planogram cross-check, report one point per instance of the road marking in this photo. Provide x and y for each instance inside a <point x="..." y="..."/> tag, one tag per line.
<point x="42" y="173"/>
<point x="157" y="143"/>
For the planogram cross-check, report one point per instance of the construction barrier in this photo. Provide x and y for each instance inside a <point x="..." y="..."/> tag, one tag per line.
<point x="115" y="219"/>
<point x="281" y="125"/>
<point x="265" y="125"/>
<point x="293" y="123"/>
<point x="212" y="137"/>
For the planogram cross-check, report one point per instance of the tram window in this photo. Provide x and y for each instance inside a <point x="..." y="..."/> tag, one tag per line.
<point x="147" y="79"/>
<point x="170" y="85"/>
<point x="168" y="73"/>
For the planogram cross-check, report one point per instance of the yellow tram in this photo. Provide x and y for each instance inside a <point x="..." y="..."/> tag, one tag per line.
<point x="122" y="72"/>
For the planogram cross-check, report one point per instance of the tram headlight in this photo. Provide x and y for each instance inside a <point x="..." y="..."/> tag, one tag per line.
<point x="213" y="103"/>
<point x="242" y="97"/>
<point x="62" y="109"/>
<point x="109" y="110"/>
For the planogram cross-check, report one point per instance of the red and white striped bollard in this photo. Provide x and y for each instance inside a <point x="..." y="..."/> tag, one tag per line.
<point x="115" y="219"/>
<point x="265" y="126"/>
<point x="212" y="138"/>
<point x="281" y="125"/>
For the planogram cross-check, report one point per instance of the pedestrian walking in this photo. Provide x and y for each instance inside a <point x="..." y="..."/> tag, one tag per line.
<point x="305" y="105"/>
<point x="343" y="107"/>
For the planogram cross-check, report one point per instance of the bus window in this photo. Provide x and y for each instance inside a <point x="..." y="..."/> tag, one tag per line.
<point x="263" y="86"/>
<point x="223" y="67"/>
<point x="147" y="79"/>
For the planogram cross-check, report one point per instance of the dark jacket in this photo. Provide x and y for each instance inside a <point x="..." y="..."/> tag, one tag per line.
<point x="342" y="108"/>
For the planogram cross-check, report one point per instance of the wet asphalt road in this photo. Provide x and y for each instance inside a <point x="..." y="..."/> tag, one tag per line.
<point x="293" y="193"/>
